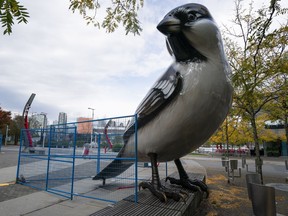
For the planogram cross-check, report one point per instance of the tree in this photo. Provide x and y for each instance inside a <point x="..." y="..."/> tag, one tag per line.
<point x="228" y="132"/>
<point x="120" y="12"/>
<point x="255" y="61"/>
<point x="10" y="9"/>
<point x="5" y="120"/>
<point x="278" y="108"/>
<point x="34" y="123"/>
<point x="15" y="128"/>
<point x="238" y="131"/>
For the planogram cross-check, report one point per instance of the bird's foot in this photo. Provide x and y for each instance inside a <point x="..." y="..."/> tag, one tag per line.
<point x="163" y="193"/>
<point x="193" y="185"/>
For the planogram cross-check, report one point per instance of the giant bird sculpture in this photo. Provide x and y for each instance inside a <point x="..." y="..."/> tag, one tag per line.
<point x="187" y="103"/>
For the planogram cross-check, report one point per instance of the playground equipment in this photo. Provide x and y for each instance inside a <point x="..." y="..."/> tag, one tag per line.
<point x="86" y="149"/>
<point x="106" y="134"/>
<point x="87" y="146"/>
<point x="28" y="138"/>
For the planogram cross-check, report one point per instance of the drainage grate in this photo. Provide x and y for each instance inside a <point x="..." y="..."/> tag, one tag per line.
<point x="124" y="208"/>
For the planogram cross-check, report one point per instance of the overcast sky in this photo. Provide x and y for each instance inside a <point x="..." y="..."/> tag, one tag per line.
<point x="71" y="66"/>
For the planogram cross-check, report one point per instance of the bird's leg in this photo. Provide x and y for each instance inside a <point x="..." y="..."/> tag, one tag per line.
<point x="155" y="186"/>
<point x="184" y="181"/>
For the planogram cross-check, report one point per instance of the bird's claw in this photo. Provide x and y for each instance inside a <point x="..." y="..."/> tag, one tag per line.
<point x="156" y="192"/>
<point x="193" y="185"/>
<point x="163" y="193"/>
<point x="184" y="195"/>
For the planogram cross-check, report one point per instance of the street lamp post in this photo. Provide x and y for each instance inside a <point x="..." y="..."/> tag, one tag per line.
<point x="44" y="126"/>
<point x="6" y="137"/>
<point x="91" y="124"/>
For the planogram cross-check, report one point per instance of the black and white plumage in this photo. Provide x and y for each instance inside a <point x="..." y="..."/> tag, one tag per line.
<point x="188" y="102"/>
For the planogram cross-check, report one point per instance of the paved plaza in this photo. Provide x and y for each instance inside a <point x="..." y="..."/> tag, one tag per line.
<point x="224" y="199"/>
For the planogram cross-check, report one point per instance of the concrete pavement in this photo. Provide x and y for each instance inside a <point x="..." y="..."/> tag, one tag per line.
<point x="42" y="203"/>
<point x="38" y="202"/>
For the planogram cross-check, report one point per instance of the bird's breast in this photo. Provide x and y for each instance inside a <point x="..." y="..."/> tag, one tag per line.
<point x="190" y="118"/>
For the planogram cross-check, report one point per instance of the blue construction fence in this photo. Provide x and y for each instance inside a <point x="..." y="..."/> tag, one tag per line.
<point x="63" y="159"/>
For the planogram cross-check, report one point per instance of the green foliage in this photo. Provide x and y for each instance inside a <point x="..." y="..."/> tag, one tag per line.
<point x="256" y="61"/>
<point x="10" y="10"/>
<point x="116" y="147"/>
<point x="121" y="12"/>
<point x="255" y="48"/>
<point x="5" y="119"/>
<point x="15" y="128"/>
<point x="83" y="7"/>
<point x="34" y="123"/>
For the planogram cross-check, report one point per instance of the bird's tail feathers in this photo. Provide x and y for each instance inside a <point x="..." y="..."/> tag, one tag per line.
<point x="115" y="168"/>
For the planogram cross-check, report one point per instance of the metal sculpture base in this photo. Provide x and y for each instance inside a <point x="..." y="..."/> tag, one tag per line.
<point x="148" y="204"/>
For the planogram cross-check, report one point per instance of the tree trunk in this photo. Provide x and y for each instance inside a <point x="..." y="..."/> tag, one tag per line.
<point x="286" y="128"/>
<point x="16" y="140"/>
<point x="258" y="160"/>
<point x="227" y="137"/>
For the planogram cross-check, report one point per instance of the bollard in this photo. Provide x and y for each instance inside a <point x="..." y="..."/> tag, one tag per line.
<point x="286" y="164"/>
<point x="252" y="178"/>
<point x="263" y="199"/>
<point x="224" y="161"/>
<point x="234" y="164"/>
<point x="243" y="161"/>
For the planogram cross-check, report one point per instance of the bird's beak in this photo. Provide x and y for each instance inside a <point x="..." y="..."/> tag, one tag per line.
<point x="169" y="25"/>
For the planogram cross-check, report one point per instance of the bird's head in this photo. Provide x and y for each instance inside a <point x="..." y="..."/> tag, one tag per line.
<point x="192" y="34"/>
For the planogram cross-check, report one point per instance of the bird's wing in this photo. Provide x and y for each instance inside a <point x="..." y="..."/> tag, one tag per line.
<point x="162" y="93"/>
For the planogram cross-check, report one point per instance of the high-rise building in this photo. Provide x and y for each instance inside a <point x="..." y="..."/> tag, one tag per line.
<point x="62" y="127"/>
<point x="62" y="118"/>
<point x="84" y="127"/>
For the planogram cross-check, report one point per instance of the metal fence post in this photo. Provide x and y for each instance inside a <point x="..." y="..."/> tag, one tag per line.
<point x="98" y="153"/>
<point x="48" y="159"/>
<point x="73" y="164"/>
<point x="19" y="154"/>
<point x="136" y="159"/>
<point x="166" y="169"/>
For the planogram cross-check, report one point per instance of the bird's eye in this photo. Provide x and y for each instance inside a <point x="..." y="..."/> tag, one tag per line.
<point x="191" y="17"/>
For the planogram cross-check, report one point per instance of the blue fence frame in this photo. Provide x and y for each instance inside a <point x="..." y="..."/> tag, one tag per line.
<point x="64" y="166"/>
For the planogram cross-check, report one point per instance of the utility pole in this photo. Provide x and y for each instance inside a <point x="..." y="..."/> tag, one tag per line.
<point x="91" y="124"/>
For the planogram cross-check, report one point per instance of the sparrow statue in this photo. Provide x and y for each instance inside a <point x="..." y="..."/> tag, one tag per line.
<point x="185" y="106"/>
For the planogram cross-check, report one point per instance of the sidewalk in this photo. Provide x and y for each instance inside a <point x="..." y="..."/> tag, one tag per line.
<point x="16" y="199"/>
